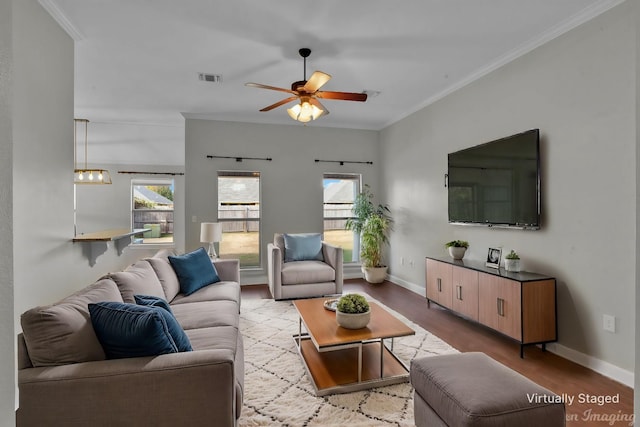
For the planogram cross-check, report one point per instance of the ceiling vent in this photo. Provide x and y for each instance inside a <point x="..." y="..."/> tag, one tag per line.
<point x="213" y="78"/>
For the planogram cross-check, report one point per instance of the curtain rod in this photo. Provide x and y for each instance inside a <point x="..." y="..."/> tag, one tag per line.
<point x="239" y="159"/>
<point x="342" y="162"/>
<point x="151" y="173"/>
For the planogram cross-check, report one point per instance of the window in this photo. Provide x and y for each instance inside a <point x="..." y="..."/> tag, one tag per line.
<point x="152" y="208"/>
<point x="239" y="213"/>
<point x="340" y="191"/>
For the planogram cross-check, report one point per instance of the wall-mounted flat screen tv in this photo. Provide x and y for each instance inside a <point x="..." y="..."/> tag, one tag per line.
<point x="497" y="183"/>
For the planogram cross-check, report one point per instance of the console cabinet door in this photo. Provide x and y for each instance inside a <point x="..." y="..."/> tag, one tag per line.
<point x="500" y="304"/>
<point x="465" y="292"/>
<point x="439" y="282"/>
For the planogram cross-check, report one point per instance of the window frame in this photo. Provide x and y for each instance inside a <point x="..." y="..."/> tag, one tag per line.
<point x="258" y="220"/>
<point x="357" y="178"/>
<point x="137" y="241"/>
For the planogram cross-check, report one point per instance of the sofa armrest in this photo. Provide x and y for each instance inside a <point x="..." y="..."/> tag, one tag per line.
<point x="173" y="389"/>
<point x="274" y="270"/>
<point x="228" y="269"/>
<point x="333" y="255"/>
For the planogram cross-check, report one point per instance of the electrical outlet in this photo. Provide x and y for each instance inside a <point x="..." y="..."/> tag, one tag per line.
<point x="609" y="323"/>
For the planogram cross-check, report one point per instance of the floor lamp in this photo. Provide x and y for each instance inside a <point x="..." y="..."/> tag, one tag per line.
<point x="211" y="232"/>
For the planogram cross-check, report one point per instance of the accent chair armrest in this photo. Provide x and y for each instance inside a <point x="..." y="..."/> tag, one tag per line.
<point x="333" y="255"/>
<point x="274" y="270"/>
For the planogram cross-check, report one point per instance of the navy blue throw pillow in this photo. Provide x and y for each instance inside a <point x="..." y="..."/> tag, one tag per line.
<point x="152" y="301"/>
<point x="130" y="330"/>
<point x="194" y="270"/>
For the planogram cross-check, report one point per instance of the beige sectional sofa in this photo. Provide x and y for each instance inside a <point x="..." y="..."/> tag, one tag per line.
<point x="65" y="379"/>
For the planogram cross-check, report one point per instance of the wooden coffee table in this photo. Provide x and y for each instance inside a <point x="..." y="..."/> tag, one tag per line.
<point x="341" y="360"/>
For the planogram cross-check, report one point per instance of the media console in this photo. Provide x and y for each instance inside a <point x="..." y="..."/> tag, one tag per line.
<point x="520" y="305"/>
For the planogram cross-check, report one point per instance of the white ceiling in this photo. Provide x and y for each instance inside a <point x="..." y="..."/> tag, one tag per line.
<point x="137" y="61"/>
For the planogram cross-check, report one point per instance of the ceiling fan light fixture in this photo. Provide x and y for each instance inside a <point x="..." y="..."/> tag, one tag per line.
<point x="304" y="111"/>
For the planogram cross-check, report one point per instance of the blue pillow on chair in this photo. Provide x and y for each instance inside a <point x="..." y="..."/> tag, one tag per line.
<point x="194" y="270"/>
<point x="130" y="330"/>
<point x="152" y="301"/>
<point x="303" y="247"/>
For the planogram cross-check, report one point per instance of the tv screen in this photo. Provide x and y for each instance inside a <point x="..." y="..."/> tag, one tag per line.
<point x="497" y="183"/>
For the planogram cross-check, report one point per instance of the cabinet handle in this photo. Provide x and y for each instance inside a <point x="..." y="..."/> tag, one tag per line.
<point x="459" y="292"/>
<point x="500" y="302"/>
<point x="439" y="284"/>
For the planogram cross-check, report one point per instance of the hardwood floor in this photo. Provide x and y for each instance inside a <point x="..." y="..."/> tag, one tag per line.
<point x="553" y="372"/>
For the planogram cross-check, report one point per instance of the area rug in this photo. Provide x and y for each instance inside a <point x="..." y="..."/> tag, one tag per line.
<point x="278" y="392"/>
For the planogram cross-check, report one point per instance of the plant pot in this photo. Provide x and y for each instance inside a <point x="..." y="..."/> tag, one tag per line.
<point x="457" y="252"/>
<point x="512" y="265"/>
<point x="353" y="320"/>
<point x="374" y="274"/>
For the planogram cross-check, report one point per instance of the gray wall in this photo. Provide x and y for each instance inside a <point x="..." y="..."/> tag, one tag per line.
<point x="636" y="395"/>
<point x="7" y="336"/>
<point x="41" y="135"/>
<point x="579" y="89"/>
<point x="291" y="184"/>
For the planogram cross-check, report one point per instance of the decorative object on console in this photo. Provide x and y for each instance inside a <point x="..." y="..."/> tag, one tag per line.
<point x="353" y="311"/>
<point x="457" y="248"/>
<point x="86" y="175"/>
<point x="493" y="257"/>
<point x="372" y="224"/>
<point x="512" y="261"/>
<point x="211" y="232"/>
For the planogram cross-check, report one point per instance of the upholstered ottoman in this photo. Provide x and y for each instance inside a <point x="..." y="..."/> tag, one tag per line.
<point x="471" y="389"/>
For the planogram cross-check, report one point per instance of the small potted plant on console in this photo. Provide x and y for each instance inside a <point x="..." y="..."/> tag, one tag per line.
<point x="353" y="311"/>
<point x="457" y="248"/>
<point x="512" y="261"/>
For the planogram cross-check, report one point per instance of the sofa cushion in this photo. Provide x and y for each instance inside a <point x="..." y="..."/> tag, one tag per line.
<point x="166" y="274"/>
<point x="201" y="314"/>
<point x="129" y="330"/>
<point x="139" y="278"/>
<point x="194" y="270"/>
<point x="229" y="291"/>
<point x="303" y="247"/>
<point x="303" y="272"/>
<point x="61" y="333"/>
<point x="152" y="301"/>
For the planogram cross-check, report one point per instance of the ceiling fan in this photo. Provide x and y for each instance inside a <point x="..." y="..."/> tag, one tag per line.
<point x="308" y="92"/>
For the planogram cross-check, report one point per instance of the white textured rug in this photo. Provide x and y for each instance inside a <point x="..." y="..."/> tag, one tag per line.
<point x="278" y="392"/>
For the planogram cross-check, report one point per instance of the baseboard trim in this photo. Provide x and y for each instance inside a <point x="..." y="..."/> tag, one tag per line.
<point x="600" y="366"/>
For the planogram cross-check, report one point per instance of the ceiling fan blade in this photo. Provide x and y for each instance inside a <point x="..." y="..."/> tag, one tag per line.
<point x="279" y="103"/>
<point x="279" y="89"/>
<point x="345" y="96"/>
<point x="316" y="81"/>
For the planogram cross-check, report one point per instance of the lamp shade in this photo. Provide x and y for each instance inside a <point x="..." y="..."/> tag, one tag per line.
<point x="210" y="232"/>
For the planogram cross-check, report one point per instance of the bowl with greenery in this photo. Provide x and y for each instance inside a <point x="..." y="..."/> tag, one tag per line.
<point x="512" y="261"/>
<point x="353" y="311"/>
<point x="457" y="248"/>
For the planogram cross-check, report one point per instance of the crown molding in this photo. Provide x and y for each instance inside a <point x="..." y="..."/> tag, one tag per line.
<point x="563" y="27"/>
<point x="62" y="20"/>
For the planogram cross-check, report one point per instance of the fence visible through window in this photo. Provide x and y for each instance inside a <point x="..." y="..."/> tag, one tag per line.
<point x="152" y="209"/>
<point x="239" y="214"/>
<point x="340" y="191"/>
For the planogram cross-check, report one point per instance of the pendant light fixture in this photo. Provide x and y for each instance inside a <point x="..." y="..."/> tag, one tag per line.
<point x="86" y="175"/>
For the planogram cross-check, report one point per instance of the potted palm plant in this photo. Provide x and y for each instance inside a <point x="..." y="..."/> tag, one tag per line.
<point x="353" y="311"/>
<point x="372" y="223"/>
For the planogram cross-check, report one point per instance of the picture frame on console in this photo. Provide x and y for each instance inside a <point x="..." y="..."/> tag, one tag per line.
<point x="493" y="257"/>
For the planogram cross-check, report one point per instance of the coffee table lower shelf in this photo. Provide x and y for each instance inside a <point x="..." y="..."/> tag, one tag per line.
<point x="336" y="371"/>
